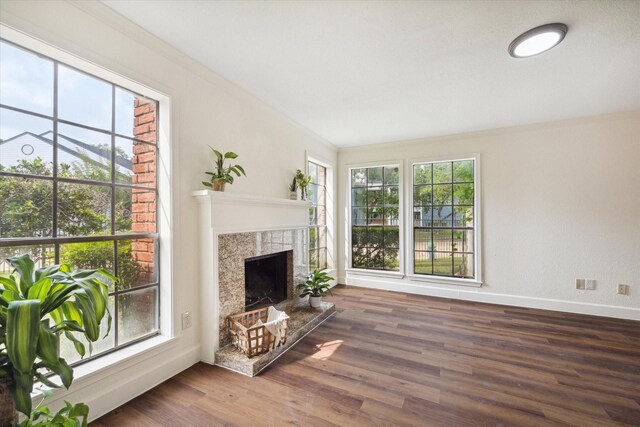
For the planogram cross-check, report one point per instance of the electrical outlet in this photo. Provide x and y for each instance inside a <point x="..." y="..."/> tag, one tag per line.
<point x="187" y="321"/>
<point x="590" y="284"/>
<point x="579" y="283"/>
<point x="623" y="289"/>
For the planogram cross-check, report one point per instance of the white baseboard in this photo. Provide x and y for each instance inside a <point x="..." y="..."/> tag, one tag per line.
<point x="399" y="285"/>
<point x="122" y="382"/>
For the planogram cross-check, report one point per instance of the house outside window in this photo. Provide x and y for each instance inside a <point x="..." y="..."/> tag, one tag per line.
<point x="444" y="203"/>
<point x="318" y="217"/>
<point x="375" y="233"/>
<point x="78" y="183"/>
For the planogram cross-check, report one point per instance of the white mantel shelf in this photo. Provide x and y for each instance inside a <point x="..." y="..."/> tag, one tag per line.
<point x="219" y="197"/>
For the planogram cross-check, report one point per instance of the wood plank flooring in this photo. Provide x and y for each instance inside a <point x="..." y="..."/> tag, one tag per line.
<point x="394" y="359"/>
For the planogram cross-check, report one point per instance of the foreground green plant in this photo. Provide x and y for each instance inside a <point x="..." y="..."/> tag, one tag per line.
<point x="317" y="285"/>
<point x="303" y="182"/>
<point x="36" y="307"/>
<point x="69" y="416"/>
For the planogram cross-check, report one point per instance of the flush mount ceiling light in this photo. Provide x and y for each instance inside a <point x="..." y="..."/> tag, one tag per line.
<point x="537" y="40"/>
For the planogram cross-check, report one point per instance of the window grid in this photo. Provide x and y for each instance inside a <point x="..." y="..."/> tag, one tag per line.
<point x="54" y="241"/>
<point x="318" y="217"/>
<point x="443" y="224"/>
<point x="375" y="242"/>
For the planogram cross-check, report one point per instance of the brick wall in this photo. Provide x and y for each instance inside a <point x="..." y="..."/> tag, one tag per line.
<point x="143" y="207"/>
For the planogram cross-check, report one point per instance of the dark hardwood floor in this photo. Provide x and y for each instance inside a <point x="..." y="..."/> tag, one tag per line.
<point x="399" y="359"/>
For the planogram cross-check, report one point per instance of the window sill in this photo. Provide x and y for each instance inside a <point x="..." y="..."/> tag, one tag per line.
<point x="94" y="370"/>
<point x="445" y="280"/>
<point x="379" y="273"/>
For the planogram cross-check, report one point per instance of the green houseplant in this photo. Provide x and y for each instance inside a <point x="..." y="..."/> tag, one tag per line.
<point x="293" y="189"/>
<point x="303" y="182"/>
<point x="316" y="286"/>
<point x="223" y="175"/>
<point x="36" y="307"/>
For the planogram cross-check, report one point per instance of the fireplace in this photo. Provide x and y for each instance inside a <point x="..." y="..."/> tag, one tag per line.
<point x="266" y="279"/>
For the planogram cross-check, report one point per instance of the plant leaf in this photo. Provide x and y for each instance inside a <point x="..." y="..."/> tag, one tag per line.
<point x="24" y="266"/>
<point x="23" y="325"/>
<point x="230" y="155"/>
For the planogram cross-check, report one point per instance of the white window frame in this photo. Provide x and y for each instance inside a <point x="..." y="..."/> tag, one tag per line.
<point x="167" y="326"/>
<point x="329" y="207"/>
<point x="477" y="224"/>
<point x="401" y="220"/>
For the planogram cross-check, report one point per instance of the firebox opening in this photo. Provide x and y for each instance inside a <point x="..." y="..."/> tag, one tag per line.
<point x="265" y="280"/>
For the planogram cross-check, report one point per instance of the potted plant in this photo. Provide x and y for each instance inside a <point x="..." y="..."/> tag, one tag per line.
<point x="36" y="307"/>
<point x="303" y="183"/>
<point x="293" y="189"/>
<point x="316" y="286"/>
<point x="223" y="175"/>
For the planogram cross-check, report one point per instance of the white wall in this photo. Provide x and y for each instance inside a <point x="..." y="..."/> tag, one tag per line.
<point x="206" y="110"/>
<point x="560" y="201"/>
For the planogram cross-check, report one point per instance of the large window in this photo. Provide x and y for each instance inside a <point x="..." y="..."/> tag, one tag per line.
<point x="318" y="217"/>
<point x="375" y="236"/>
<point x="443" y="218"/>
<point x="78" y="183"/>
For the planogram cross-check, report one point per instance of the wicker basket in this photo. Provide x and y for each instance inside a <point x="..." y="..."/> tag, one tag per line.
<point x="253" y="340"/>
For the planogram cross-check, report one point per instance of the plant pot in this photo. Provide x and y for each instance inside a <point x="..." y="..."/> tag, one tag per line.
<point x="315" y="302"/>
<point x="8" y="413"/>
<point x="218" y="185"/>
<point x="293" y="195"/>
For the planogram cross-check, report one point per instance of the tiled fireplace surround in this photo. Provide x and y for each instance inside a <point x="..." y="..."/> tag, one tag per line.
<point x="234" y="248"/>
<point x="234" y="227"/>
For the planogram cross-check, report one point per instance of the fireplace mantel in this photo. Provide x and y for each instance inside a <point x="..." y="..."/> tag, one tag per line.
<point x="236" y="215"/>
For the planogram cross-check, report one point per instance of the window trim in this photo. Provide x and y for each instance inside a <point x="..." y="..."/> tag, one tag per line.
<point x="166" y="326"/>
<point x="477" y="225"/>
<point x="401" y="219"/>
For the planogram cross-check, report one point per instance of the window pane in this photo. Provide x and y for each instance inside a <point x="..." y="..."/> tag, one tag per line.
<point x="391" y="196"/>
<point x="391" y="237"/>
<point x="422" y="240"/>
<point x="374" y="176"/>
<point x="322" y="259"/>
<point x="313" y="172"/>
<point x="137" y="314"/>
<point x="374" y="195"/>
<point x="391" y="215"/>
<point x="359" y="257"/>
<point x="463" y="171"/>
<point x="376" y="259"/>
<point x="374" y="237"/>
<point x="463" y="265"/>
<point x="391" y="259"/>
<point x="83" y="210"/>
<point x="84" y="99"/>
<point x="359" y="216"/>
<point x="27" y="207"/>
<point x="26" y="80"/>
<point x="42" y="256"/>
<point x="313" y="216"/>
<point x="422" y="217"/>
<point x="442" y="240"/>
<point x="322" y="175"/>
<point x="358" y="236"/>
<point x="322" y="237"/>
<point x="26" y="144"/>
<point x="67" y="349"/>
<point x="422" y="174"/>
<point x="375" y="216"/>
<point x="89" y="255"/>
<point x="423" y="262"/>
<point x="143" y="164"/>
<point x="135" y="210"/>
<point x="358" y="177"/>
<point x="313" y="237"/>
<point x="391" y="175"/>
<point x="442" y="172"/>
<point x="313" y="194"/>
<point x="321" y="195"/>
<point x="463" y="240"/>
<point x="136" y="265"/>
<point x="442" y="216"/>
<point x="442" y="194"/>
<point x="423" y="195"/>
<point x="463" y="216"/>
<point x="442" y="264"/>
<point x="313" y="259"/>
<point x="83" y="153"/>
<point x="136" y="116"/>
<point x="359" y="197"/>
<point x="134" y="158"/>
<point x="463" y="194"/>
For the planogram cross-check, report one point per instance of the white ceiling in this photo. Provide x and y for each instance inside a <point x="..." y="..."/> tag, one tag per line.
<point x="367" y="72"/>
